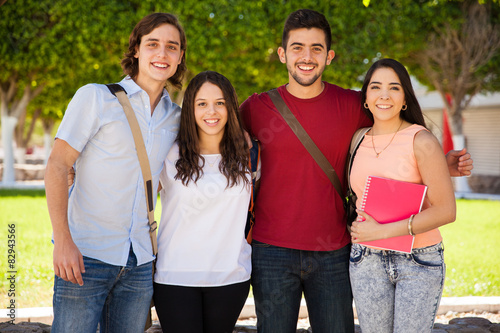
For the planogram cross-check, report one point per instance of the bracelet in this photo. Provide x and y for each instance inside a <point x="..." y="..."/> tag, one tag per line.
<point x="410" y="229"/>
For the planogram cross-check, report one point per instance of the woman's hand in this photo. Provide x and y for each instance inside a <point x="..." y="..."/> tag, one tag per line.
<point x="71" y="177"/>
<point x="367" y="229"/>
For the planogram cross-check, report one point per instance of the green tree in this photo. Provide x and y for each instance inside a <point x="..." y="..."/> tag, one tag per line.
<point x="51" y="48"/>
<point x="462" y="58"/>
<point x="54" y="47"/>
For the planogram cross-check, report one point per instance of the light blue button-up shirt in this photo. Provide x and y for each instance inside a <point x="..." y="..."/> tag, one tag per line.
<point x="107" y="206"/>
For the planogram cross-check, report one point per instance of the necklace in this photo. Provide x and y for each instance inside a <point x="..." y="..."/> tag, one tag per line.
<point x="211" y="164"/>
<point x="373" y="141"/>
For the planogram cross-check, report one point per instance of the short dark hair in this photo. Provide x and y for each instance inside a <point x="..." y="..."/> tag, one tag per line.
<point x="233" y="146"/>
<point x="413" y="114"/>
<point x="130" y="64"/>
<point x="306" y="18"/>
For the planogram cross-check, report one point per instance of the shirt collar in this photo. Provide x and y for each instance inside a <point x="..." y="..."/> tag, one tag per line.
<point x="131" y="87"/>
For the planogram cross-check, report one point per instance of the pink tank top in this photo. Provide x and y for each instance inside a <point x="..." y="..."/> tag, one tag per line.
<point x="398" y="162"/>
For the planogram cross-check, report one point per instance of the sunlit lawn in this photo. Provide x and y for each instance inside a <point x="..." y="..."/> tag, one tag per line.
<point x="471" y="249"/>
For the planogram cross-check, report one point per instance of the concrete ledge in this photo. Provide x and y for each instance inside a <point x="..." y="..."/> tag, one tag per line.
<point x="453" y="304"/>
<point x="468" y="304"/>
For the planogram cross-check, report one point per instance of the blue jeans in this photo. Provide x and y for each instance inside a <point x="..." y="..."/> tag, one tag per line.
<point x="281" y="275"/>
<point x="117" y="298"/>
<point x="394" y="291"/>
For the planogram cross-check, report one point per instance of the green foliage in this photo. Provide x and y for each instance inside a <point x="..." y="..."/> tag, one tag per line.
<point x="62" y="45"/>
<point x="65" y="44"/>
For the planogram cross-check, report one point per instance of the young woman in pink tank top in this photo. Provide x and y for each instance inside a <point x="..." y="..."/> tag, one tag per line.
<point x="395" y="291"/>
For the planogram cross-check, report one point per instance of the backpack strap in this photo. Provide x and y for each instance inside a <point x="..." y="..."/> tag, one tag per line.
<point x="253" y="164"/>
<point x="121" y="94"/>
<point x="356" y="140"/>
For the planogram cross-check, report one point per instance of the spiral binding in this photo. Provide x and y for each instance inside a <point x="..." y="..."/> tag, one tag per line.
<point x="365" y="195"/>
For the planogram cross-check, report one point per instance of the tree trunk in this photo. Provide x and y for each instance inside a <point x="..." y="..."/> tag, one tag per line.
<point x="48" y="126"/>
<point x="455" y="116"/>
<point x="47" y="146"/>
<point x="8" y="125"/>
<point x="20" y="155"/>
<point x="10" y="118"/>
<point x="461" y="183"/>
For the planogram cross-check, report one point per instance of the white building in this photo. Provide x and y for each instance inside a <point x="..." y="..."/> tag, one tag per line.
<point x="481" y="121"/>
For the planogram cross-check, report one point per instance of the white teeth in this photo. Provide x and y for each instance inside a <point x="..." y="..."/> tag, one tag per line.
<point x="384" y="106"/>
<point x="212" y="121"/>
<point x="161" y="65"/>
<point x="306" y="68"/>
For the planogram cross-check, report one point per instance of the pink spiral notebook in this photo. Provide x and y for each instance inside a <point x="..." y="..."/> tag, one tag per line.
<point x="389" y="200"/>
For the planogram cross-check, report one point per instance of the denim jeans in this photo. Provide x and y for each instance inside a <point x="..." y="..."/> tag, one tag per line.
<point x="281" y="275"/>
<point x="118" y="298"/>
<point x="397" y="292"/>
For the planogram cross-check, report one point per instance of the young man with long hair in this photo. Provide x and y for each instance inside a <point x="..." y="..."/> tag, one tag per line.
<point x="102" y="248"/>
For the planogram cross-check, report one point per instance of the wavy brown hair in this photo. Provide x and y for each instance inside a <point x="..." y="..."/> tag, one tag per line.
<point x="233" y="146"/>
<point x="130" y="64"/>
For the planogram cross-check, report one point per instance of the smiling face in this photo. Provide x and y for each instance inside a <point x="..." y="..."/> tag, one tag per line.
<point x="210" y="112"/>
<point x="306" y="56"/>
<point x="385" y="96"/>
<point x="158" y="54"/>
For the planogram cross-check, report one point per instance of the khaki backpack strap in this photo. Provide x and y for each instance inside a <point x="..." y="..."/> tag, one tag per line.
<point x="306" y="140"/>
<point x="120" y="93"/>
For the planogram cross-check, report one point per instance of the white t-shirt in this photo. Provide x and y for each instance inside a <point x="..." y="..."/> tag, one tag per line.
<point x="201" y="239"/>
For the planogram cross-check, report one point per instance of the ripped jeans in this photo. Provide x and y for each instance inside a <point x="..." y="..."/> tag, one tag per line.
<point x="397" y="292"/>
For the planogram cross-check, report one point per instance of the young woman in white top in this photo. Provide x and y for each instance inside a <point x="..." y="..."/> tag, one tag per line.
<point x="203" y="267"/>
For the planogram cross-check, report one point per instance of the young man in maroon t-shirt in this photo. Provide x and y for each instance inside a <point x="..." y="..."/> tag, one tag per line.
<point x="300" y="242"/>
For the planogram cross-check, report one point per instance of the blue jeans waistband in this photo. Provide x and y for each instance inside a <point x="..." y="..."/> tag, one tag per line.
<point x="431" y="248"/>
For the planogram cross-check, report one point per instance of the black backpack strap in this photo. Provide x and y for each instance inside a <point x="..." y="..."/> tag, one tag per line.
<point x="356" y="140"/>
<point x="254" y="163"/>
<point x="115" y="87"/>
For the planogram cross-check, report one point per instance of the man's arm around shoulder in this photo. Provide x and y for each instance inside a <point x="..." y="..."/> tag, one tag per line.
<point x="68" y="261"/>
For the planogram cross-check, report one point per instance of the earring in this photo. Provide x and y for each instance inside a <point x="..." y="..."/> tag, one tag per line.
<point x="404" y="107"/>
<point x="365" y="105"/>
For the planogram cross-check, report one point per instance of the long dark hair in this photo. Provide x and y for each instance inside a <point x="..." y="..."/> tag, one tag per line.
<point x="233" y="146"/>
<point x="130" y="64"/>
<point x="413" y="114"/>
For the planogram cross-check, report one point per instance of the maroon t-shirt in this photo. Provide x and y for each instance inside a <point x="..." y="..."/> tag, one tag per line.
<point x="297" y="206"/>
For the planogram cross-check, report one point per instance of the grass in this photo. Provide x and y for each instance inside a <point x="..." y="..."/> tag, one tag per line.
<point x="33" y="248"/>
<point x="472" y="251"/>
<point x="471" y="243"/>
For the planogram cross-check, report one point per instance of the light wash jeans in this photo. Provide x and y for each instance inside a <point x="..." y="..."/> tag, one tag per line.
<point x="118" y="298"/>
<point x="280" y="276"/>
<point x="397" y="292"/>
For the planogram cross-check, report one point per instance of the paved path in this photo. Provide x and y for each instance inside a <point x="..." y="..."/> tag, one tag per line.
<point x="455" y="315"/>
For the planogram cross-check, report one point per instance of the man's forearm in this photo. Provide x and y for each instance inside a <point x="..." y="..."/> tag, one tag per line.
<point x="56" y="189"/>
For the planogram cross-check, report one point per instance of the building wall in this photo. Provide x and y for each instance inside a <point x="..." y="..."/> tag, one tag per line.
<point x="481" y="127"/>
